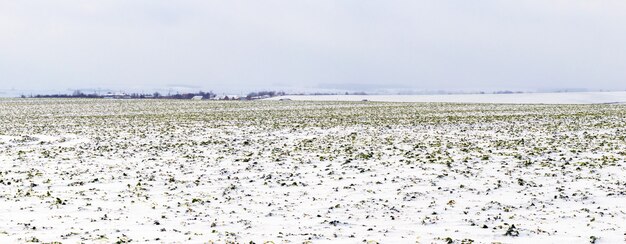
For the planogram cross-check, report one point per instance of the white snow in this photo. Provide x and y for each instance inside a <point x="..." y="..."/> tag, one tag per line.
<point x="326" y="172"/>
<point x="517" y="98"/>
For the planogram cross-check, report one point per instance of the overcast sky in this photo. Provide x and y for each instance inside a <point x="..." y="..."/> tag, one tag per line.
<point x="235" y="45"/>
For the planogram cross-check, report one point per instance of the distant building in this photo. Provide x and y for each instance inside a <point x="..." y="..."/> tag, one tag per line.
<point x="116" y="96"/>
<point x="197" y="98"/>
<point x="259" y="97"/>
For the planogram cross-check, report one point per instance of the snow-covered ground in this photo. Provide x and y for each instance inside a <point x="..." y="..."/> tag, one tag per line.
<point x="325" y="172"/>
<point x="518" y="98"/>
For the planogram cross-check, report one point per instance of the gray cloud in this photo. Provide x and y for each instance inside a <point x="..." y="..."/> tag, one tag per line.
<point x="238" y="45"/>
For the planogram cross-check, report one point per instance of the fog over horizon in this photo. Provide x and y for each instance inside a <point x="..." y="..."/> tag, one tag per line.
<point x="313" y="45"/>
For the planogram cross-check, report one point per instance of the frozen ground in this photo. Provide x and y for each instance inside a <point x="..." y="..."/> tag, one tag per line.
<point x="329" y="172"/>
<point x="521" y="98"/>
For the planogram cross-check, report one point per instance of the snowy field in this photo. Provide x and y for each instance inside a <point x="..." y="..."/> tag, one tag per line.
<point x="520" y="98"/>
<point x="321" y="172"/>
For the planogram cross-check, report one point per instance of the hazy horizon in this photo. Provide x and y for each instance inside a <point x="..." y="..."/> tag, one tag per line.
<point x="304" y="46"/>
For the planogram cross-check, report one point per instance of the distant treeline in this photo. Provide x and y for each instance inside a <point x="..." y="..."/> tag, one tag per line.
<point x="330" y="93"/>
<point x="210" y="95"/>
<point x="506" y="92"/>
<point x="62" y="96"/>
<point x="157" y="95"/>
<point x="264" y="94"/>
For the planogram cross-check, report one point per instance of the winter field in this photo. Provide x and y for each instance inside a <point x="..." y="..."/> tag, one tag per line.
<point x="517" y="98"/>
<point x="103" y="171"/>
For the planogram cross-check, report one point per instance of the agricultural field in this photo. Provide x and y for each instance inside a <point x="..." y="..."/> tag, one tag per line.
<point x="515" y="98"/>
<point x="321" y="172"/>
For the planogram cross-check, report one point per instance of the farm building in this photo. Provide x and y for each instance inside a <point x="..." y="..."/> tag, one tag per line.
<point x="116" y="96"/>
